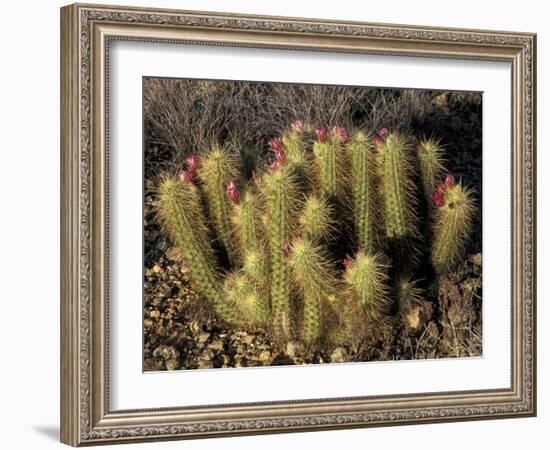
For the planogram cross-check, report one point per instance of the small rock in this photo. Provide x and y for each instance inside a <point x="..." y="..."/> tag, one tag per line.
<point x="265" y="357"/>
<point x="339" y="355"/>
<point x="147" y="323"/>
<point x="291" y="349"/>
<point x="216" y="345"/>
<point x="155" y="314"/>
<point x="172" y="364"/>
<point x="248" y="340"/>
<point x="166" y="352"/>
<point x="203" y="337"/>
<point x="194" y="326"/>
<point x="206" y="364"/>
<point x="156" y="268"/>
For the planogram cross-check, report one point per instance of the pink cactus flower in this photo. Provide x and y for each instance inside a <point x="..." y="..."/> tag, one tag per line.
<point x="286" y="249"/>
<point x="273" y="166"/>
<point x="383" y="133"/>
<point x="438" y="199"/>
<point x="280" y="155"/>
<point x="275" y="144"/>
<point x="192" y="163"/>
<point x="186" y="176"/>
<point x="441" y="188"/>
<point x="342" y="132"/>
<point x="297" y="125"/>
<point x="233" y="193"/>
<point x="449" y="180"/>
<point x="321" y="134"/>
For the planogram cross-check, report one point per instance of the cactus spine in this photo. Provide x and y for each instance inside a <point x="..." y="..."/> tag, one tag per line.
<point x="315" y="279"/>
<point x="245" y="219"/>
<point x="430" y="164"/>
<point x="397" y="188"/>
<point x="279" y="190"/>
<point x="452" y="224"/>
<point x="363" y="191"/>
<point x="316" y="217"/>
<point x="242" y="293"/>
<point x="366" y="276"/>
<point x="217" y="170"/>
<point x="329" y="157"/>
<point x="181" y="214"/>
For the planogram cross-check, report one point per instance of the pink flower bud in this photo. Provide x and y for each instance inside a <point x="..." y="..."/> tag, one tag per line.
<point x="286" y="249"/>
<point x="347" y="261"/>
<point x="275" y="144"/>
<point x="438" y="199"/>
<point x="192" y="163"/>
<point x="281" y="156"/>
<point x="449" y="180"/>
<point x="186" y="176"/>
<point x="383" y="133"/>
<point x="377" y="141"/>
<point x="321" y="134"/>
<point x="342" y="132"/>
<point x="255" y="177"/>
<point x="297" y="125"/>
<point x="273" y="166"/>
<point x="441" y="188"/>
<point x="233" y="193"/>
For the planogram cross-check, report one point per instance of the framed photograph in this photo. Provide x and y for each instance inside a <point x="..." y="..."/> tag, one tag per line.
<point x="276" y="224"/>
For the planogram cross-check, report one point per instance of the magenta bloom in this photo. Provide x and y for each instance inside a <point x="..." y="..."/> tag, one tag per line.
<point x="186" y="176"/>
<point x="273" y="166"/>
<point x="192" y="163"/>
<point x="275" y="144"/>
<point x="383" y="133"/>
<point x="342" y="132"/>
<point x="438" y="199"/>
<point x="297" y="125"/>
<point x="441" y="188"/>
<point x="321" y="134"/>
<point x="286" y="249"/>
<point x="280" y="155"/>
<point x="233" y="193"/>
<point x="449" y="180"/>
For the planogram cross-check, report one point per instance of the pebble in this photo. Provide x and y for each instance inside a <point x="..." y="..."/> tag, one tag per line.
<point x="206" y="364"/>
<point x="339" y="355"/>
<point x="172" y="364"/>
<point x="216" y="345"/>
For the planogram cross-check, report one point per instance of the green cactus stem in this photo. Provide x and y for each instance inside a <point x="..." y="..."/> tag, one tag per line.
<point x="278" y="188"/>
<point x="363" y="191"/>
<point x="453" y="220"/>
<point x="181" y="214"/>
<point x="245" y="218"/>
<point x="408" y="295"/>
<point x="430" y="162"/>
<point x="316" y="217"/>
<point x="397" y="188"/>
<point x="329" y="162"/>
<point x="316" y="281"/>
<point x="216" y="171"/>
<point x="294" y="144"/>
<point x="366" y="276"/>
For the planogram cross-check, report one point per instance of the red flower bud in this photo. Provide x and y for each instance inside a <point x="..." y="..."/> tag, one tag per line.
<point x="280" y="155"/>
<point x="273" y="166"/>
<point x="186" y="176"/>
<point x="342" y="132"/>
<point x="275" y="144"/>
<point x="297" y="125"/>
<point x="192" y="163"/>
<point x="321" y="134"/>
<point x="383" y="133"/>
<point x="255" y="177"/>
<point x="377" y="141"/>
<point x="233" y="193"/>
<point x="441" y="188"/>
<point x="347" y="261"/>
<point x="438" y="199"/>
<point x="449" y="180"/>
<point x="286" y="249"/>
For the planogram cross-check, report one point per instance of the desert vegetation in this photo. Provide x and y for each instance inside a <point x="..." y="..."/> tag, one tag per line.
<point x="346" y="234"/>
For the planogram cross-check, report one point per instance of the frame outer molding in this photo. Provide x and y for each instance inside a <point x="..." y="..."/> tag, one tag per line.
<point x="85" y="34"/>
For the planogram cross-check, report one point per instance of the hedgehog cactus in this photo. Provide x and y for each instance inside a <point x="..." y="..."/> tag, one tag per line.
<point x="245" y="219"/>
<point x="329" y="158"/>
<point x="181" y="214"/>
<point x="245" y="299"/>
<point x="217" y="170"/>
<point x="313" y="275"/>
<point x="316" y="217"/>
<point x="397" y="187"/>
<point x="452" y="222"/>
<point x="363" y="190"/>
<point x="430" y="163"/>
<point x="280" y="198"/>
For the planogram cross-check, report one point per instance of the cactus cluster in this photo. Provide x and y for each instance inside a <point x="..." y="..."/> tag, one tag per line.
<point x="325" y="236"/>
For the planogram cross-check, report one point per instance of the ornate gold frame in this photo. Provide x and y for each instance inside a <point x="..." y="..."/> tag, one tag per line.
<point x="86" y="31"/>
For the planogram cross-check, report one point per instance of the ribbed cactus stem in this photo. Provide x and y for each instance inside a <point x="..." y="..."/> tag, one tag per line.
<point x="279" y="190"/>
<point x="217" y="170"/>
<point x="366" y="276"/>
<point x="245" y="218"/>
<point x="397" y="187"/>
<point x="316" y="217"/>
<point x="312" y="274"/>
<point x="408" y="295"/>
<point x="181" y="214"/>
<point x="430" y="162"/>
<point x="363" y="190"/>
<point x="295" y="149"/>
<point x="329" y="157"/>
<point x="452" y="226"/>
